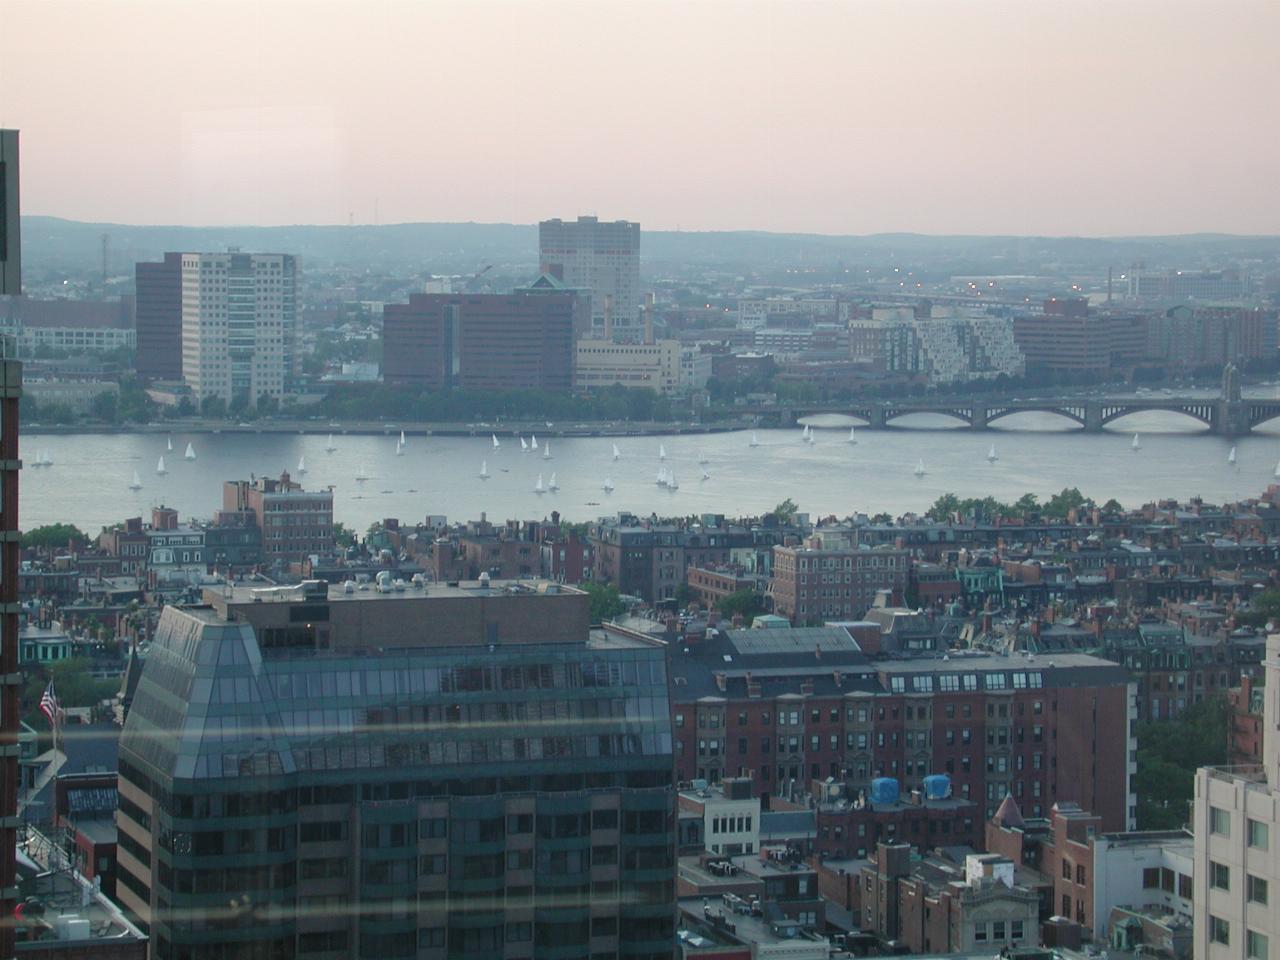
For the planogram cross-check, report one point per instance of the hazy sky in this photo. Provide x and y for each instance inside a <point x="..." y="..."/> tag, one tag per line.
<point x="1034" y="116"/>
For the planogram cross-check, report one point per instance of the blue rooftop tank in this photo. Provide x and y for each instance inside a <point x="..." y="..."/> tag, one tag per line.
<point x="937" y="787"/>
<point x="884" y="790"/>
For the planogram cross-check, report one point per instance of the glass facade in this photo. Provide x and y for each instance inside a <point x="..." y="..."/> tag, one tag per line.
<point x="507" y="801"/>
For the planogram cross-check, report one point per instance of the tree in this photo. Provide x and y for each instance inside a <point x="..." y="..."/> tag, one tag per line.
<point x="605" y="601"/>
<point x="213" y="407"/>
<point x="343" y="535"/>
<point x="1112" y="506"/>
<point x="1060" y="504"/>
<point x="745" y="602"/>
<point x="1263" y="609"/>
<point x="1169" y="753"/>
<point x="685" y="595"/>
<point x="785" y="511"/>
<point x="1026" y="506"/>
<point x="105" y="407"/>
<point x="53" y="536"/>
<point x="944" y="507"/>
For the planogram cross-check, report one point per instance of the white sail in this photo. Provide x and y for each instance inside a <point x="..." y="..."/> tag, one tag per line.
<point x="399" y="448"/>
<point x="190" y="454"/>
<point x="1135" y="445"/>
<point x="524" y="444"/>
<point x="136" y="482"/>
<point x="702" y="457"/>
<point x="329" y="447"/>
<point x="852" y="437"/>
<point x="484" y="469"/>
<point x="402" y="440"/>
<point x="1277" y="473"/>
<point x="920" y="468"/>
<point x="705" y="475"/>
<point x="546" y="450"/>
<point x="991" y="454"/>
<point x="662" y="478"/>
<point x="160" y="467"/>
<point x="170" y="445"/>
<point x="754" y="441"/>
<point x="496" y="444"/>
<point x="1231" y="457"/>
<point x="361" y="476"/>
<point x="302" y="465"/>
<point x="534" y="444"/>
<point x="673" y="483"/>
<point x="552" y="485"/>
<point x="608" y="484"/>
<point x="538" y="487"/>
<point x="662" y="452"/>
<point x="616" y="452"/>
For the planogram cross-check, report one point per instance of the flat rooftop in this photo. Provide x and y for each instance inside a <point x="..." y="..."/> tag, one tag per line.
<point x="225" y="595"/>
<point x="746" y="928"/>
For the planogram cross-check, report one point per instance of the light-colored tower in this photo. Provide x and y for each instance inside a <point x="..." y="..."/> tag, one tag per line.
<point x="239" y="313"/>
<point x="1237" y="847"/>
<point x="601" y="258"/>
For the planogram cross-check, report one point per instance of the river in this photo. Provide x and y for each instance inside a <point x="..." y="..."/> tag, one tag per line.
<point x="88" y="481"/>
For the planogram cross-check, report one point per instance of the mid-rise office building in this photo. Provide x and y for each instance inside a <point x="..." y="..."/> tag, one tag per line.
<point x="602" y="258"/>
<point x="294" y="523"/>
<point x="158" y="318"/>
<point x="1237" y="834"/>
<point x="239" y="312"/>
<point x="603" y="362"/>
<point x="11" y="682"/>
<point x="419" y="772"/>
<point x="822" y="580"/>
<point x="517" y="341"/>
<point x="10" y="219"/>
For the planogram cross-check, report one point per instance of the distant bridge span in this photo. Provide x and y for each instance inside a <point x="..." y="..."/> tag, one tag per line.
<point x="1225" y="417"/>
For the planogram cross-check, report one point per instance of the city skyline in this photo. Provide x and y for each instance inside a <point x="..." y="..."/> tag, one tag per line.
<point x="949" y="119"/>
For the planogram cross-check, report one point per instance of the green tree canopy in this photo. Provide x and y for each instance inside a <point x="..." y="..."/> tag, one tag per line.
<point x="1169" y="753"/>
<point x="605" y="601"/>
<point x="745" y="601"/>
<point x="785" y="511"/>
<point x="53" y="536"/>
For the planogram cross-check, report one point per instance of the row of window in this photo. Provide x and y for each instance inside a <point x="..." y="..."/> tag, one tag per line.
<point x="1257" y="833"/>
<point x="1256" y="944"/>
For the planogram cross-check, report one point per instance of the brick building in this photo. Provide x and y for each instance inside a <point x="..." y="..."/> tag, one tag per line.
<point x="294" y="523"/>
<point x="517" y="341"/>
<point x="1244" y="735"/>
<point x="1067" y="335"/>
<point x="822" y="580"/>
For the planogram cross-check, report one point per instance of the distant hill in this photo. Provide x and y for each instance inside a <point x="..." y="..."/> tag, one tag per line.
<point x="53" y="244"/>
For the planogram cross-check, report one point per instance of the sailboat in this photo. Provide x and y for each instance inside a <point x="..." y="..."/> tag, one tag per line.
<point x="1277" y="473"/>
<point x="705" y="475"/>
<point x="38" y="459"/>
<point x="484" y="469"/>
<point x="302" y="465"/>
<point x="662" y="478"/>
<point x="672" y="482"/>
<point x="920" y="468"/>
<point x="170" y="445"/>
<point x="552" y="485"/>
<point x="524" y="444"/>
<point x="852" y="437"/>
<point x="534" y="444"/>
<point x="754" y="441"/>
<point x="662" y="452"/>
<point x="361" y="476"/>
<point x="538" y="487"/>
<point x="403" y="442"/>
<point x="607" y="486"/>
<point x="160" y="467"/>
<point x="616" y="452"/>
<point x="329" y="447"/>
<point x="190" y="454"/>
<point x="136" y="482"/>
<point x="804" y="434"/>
<point x="399" y="448"/>
<point x="1135" y="445"/>
<point x="1231" y="457"/>
<point x="496" y="444"/>
<point x="702" y="457"/>
<point x="991" y="454"/>
<point x="546" y="450"/>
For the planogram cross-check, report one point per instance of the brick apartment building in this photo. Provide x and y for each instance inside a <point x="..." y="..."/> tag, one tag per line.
<point x="1067" y="335"/>
<point x="820" y="581"/>
<point x="294" y="523"/>
<point x="517" y="341"/>
<point x="790" y="706"/>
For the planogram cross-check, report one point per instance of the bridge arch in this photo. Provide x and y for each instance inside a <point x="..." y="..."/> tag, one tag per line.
<point x="1202" y="415"/>
<point x="892" y="414"/>
<point x="1066" y="413"/>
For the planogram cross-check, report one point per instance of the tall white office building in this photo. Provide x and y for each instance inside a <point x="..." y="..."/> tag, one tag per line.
<point x="602" y="259"/>
<point x="1237" y="845"/>
<point x="239" y="313"/>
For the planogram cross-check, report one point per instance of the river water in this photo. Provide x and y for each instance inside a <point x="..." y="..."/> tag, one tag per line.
<point x="88" y="482"/>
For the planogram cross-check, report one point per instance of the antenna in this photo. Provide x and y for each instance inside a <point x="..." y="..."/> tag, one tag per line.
<point x="106" y="243"/>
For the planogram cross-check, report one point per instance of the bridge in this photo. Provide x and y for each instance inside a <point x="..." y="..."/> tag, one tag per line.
<point x="1228" y="415"/>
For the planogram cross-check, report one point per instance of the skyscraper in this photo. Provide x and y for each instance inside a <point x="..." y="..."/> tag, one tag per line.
<point x="603" y="258"/>
<point x="158" y="318"/>
<point x="428" y="772"/>
<point x="10" y="225"/>
<point x="239" y="312"/>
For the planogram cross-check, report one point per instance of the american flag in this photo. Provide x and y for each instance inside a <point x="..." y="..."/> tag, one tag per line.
<point x="49" y="705"/>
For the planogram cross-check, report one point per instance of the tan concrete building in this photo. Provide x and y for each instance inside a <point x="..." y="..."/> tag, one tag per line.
<point x="1237" y="831"/>
<point x="603" y="363"/>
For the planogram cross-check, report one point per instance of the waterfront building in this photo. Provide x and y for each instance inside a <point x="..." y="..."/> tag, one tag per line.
<point x="158" y="318"/>
<point x="1188" y="284"/>
<point x="791" y="707"/>
<point x="67" y="326"/>
<point x="754" y="314"/>
<point x="10" y="216"/>
<point x="602" y="259"/>
<point x="942" y="347"/>
<point x="517" y="341"/>
<point x="11" y="688"/>
<point x="239" y="313"/>
<point x="411" y="771"/>
<point x="1237" y="834"/>
<point x="293" y="523"/>
<point x="604" y="362"/>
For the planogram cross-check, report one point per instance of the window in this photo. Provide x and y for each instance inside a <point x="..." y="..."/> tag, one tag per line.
<point x="1219" y="823"/>
<point x="1015" y="930"/>
<point x="1256" y="946"/>
<point x="1257" y="890"/>
<point x="1219" y="931"/>
<point x="1258" y="835"/>
<point x="1219" y="876"/>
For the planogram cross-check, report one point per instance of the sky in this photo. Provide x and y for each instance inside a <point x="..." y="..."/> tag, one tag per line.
<point x="1046" y="117"/>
